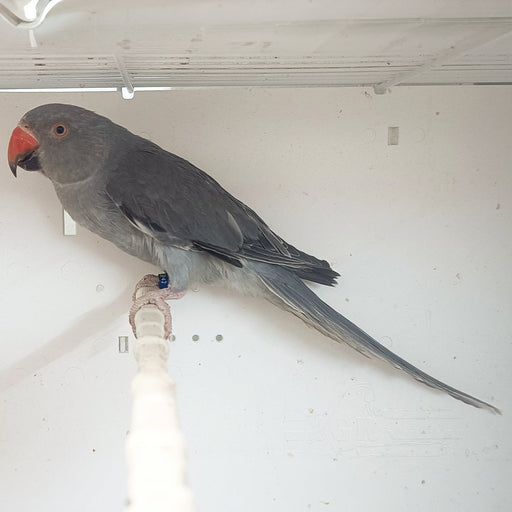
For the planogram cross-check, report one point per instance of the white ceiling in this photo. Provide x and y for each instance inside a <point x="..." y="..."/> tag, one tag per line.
<point x="266" y="43"/>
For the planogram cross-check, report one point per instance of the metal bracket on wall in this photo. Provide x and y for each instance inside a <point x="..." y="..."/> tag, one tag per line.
<point x="69" y="224"/>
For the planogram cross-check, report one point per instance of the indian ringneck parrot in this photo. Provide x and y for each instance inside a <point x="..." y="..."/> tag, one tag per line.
<point x="164" y="210"/>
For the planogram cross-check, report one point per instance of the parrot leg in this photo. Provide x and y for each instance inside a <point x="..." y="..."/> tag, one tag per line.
<point x="156" y="296"/>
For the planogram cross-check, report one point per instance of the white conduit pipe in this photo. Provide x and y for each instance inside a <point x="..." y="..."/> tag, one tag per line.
<point x="155" y="448"/>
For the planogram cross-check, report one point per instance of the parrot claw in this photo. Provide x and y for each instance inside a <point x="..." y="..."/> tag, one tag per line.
<point x="156" y="296"/>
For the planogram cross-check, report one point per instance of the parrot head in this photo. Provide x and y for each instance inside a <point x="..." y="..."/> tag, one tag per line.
<point x="64" y="142"/>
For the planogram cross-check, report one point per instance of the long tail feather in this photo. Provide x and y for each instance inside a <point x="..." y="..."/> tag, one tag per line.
<point x="303" y="302"/>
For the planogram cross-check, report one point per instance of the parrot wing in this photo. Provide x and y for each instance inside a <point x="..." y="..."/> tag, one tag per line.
<point x="177" y="204"/>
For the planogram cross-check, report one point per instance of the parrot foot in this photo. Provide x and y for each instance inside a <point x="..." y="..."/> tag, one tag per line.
<point x="156" y="296"/>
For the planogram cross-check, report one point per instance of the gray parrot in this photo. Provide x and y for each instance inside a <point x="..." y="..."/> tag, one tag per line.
<point x="162" y="209"/>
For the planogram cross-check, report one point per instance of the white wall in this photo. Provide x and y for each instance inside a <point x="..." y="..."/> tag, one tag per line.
<point x="277" y="418"/>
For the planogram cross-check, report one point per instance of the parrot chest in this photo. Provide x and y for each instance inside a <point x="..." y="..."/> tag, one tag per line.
<point x="94" y="210"/>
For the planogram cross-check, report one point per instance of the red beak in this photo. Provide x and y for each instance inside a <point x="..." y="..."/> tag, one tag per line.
<point x="21" y="145"/>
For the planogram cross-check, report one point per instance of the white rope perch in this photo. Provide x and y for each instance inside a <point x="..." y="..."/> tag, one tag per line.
<point x="155" y="448"/>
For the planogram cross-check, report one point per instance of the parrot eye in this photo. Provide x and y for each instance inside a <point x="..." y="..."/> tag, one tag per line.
<point x="60" y="130"/>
